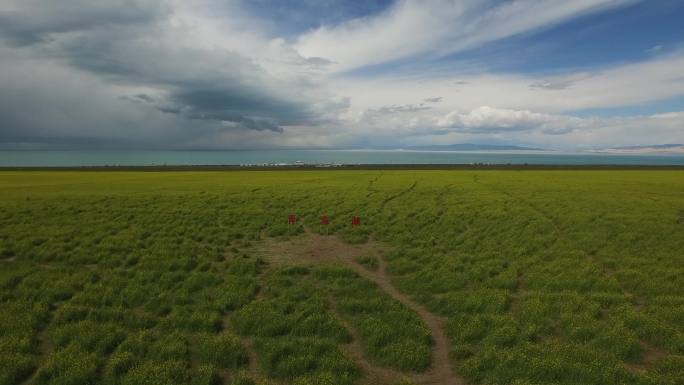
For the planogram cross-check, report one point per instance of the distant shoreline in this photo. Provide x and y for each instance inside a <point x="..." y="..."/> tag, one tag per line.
<point x="360" y="167"/>
<point x="277" y="159"/>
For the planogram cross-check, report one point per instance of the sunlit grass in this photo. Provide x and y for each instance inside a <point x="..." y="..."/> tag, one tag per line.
<point x="542" y="277"/>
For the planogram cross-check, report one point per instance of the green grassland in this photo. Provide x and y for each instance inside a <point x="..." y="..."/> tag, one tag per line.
<point x="541" y="277"/>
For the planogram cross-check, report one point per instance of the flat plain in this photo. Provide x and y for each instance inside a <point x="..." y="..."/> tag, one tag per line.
<point x="453" y="277"/>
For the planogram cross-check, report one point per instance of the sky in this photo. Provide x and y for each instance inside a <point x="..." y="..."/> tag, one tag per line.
<point x="243" y="74"/>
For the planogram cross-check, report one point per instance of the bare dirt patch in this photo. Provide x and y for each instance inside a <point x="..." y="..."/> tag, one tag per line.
<point x="638" y="302"/>
<point x="253" y="364"/>
<point x="315" y="248"/>
<point x="519" y="294"/>
<point x="651" y="355"/>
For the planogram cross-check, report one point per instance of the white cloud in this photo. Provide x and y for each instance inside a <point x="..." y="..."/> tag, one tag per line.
<point x="624" y="85"/>
<point x="179" y="74"/>
<point x="436" y="27"/>
<point x="518" y="126"/>
<point x="173" y="63"/>
<point x="487" y="119"/>
<point x="655" y="49"/>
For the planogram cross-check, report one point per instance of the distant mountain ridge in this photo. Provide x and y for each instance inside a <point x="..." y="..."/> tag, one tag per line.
<point x="469" y="147"/>
<point x="654" y="146"/>
<point x="669" y="148"/>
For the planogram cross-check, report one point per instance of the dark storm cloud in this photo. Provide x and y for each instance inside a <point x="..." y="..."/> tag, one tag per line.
<point x="145" y="98"/>
<point x="317" y="63"/>
<point x="249" y="110"/>
<point x="224" y="103"/>
<point x="433" y="100"/>
<point x="393" y="109"/>
<point x="223" y="106"/>
<point x="35" y="21"/>
<point x="45" y="105"/>
<point x="260" y="124"/>
<point x="191" y="91"/>
<point x="200" y="85"/>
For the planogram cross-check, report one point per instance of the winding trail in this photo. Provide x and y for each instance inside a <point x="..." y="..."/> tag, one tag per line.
<point x="373" y="375"/>
<point x="440" y="372"/>
<point x="317" y="248"/>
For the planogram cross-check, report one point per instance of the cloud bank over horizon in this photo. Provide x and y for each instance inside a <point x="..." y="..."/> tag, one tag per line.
<point x="237" y="74"/>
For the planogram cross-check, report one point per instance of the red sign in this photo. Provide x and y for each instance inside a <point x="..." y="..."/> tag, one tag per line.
<point x="356" y="221"/>
<point x="325" y="220"/>
<point x="291" y="219"/>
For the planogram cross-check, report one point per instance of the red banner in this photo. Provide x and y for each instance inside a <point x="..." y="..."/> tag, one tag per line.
<point x="325" y="220"/>
<point x="291" y="219"/>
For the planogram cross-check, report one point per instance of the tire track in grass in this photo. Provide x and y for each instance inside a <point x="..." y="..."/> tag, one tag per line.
<point x="440" y="202"/>
<point x="247" y="342"/>
<point x="518" y="295"/>
<point x="589" y="256"/>
<point x="45" y="347"/>
<point x="371" y="184"/>
<point x="553" y="221"/>
<point x="397" y="195"/>
<point x="253" y="365"/>
<point x="651" y="353"/>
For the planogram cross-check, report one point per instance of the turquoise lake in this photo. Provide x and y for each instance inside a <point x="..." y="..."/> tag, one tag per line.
<point x="349" y="157"/>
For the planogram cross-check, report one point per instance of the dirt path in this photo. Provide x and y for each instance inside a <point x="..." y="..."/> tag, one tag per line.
<point x="316" y="248"/>
<point x="373" y="375"/>
<point x="247" y="343"/>
<point x="440" y="372"/>
<point x="651" y="353"/>
<point x="253" y="364"/>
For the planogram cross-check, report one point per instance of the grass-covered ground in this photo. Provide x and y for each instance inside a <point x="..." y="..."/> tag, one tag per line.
<point x="539" y="277"/>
